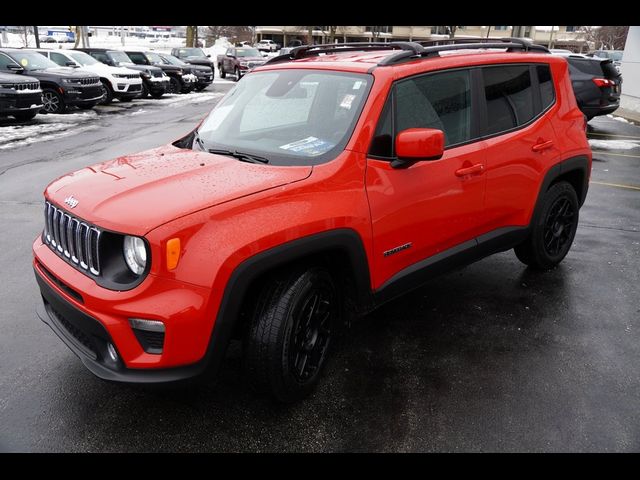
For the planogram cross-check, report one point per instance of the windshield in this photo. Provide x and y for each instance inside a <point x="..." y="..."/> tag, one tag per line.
<point x="83" y="58"/>
<point x="192" y="52"/>
<point x="33" y="60"/>
<point x="153" y="57"/>
<point x="170" y="59"/>
<point x="615" y="56"/>
<point x="120" y="57"/>
<point x="290" y="117"/>
<point x="247" y="52"/>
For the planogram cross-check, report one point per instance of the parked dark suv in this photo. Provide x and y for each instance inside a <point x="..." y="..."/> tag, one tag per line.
<point x="180" y="81"/>
<point x="194" y="56"/>
<point x="596" y="84"/>
<point x="204" y="75"/>
<point x="62" y="87"/>
<point x="20" y="96"/>
<point x="154" y="81"/>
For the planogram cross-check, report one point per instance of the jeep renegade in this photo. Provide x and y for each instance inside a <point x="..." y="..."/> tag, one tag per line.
<point x="325" y="183"/>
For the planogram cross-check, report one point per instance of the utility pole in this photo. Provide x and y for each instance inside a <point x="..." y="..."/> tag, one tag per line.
<point x="35" y="32"/>
<point x="488" y="30"/>
<point x="551" y="38"/>
<point x="122" y="35"/>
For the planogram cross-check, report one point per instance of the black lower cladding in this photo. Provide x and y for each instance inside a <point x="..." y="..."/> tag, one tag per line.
<point x="88" y="339"/>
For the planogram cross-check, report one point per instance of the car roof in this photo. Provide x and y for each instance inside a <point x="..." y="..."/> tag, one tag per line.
<point x="367" y="61"/>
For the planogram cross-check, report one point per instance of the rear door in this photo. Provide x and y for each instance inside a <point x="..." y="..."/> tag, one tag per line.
<point x="521" y="143"/>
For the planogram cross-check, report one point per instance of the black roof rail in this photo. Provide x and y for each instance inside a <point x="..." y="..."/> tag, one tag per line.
<point x="410" y="48"/>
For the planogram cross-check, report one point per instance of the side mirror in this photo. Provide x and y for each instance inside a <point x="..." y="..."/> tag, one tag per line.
<point x="15" y="67"/>
<point x="71" y="64"/>
<point x="231" y="55"/>
<point x="417" y="144"/>
<point x="209" y="55"/>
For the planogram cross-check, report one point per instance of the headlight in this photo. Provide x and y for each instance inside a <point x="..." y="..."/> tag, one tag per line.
<point x="71" y="81"/>
<point x="7" y="85"/>
<point x="135" y="254"/>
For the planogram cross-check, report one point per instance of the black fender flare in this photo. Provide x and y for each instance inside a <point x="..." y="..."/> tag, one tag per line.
<point x="344" y="239"/>
<point x="579" y="164"/>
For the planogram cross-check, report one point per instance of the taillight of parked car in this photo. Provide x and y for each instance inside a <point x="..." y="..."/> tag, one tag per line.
<point x="603" y="82"/>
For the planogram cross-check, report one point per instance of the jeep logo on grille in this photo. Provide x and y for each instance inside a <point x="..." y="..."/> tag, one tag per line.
<point x="72" y="202"/>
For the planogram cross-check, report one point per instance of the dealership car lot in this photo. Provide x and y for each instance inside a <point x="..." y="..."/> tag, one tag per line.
<point x="492" y="357"/>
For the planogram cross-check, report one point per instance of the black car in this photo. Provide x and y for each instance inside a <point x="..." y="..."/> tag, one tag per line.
<point x="62" y="87"/>
<point x="194" y="56"/>
<point x="181" y="81"/>
<point x="596" y="84"/>
<point x="204" y="75"/>
<point x="154" y="81"/>
<point x="20" y="96"/>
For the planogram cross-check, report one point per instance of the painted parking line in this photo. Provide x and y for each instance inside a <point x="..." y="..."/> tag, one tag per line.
<point x="618" y="185"/>
<point x="602" y="152"/>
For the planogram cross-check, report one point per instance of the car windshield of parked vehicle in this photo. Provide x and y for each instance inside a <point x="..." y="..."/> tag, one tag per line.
<point x="616" y="56"/>
<point x="171" y="60"/>
<point x="120" y="58"/>
<point x="33" y="60"/>
<point x="192" y="52"/>
<point x="247" y="52"/>
<point x="153" y="57"/>
<point x="83" y="59"/>
<point x="288" y="117"/>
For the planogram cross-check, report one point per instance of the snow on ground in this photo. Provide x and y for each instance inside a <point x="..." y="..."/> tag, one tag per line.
<point x="21" y="135"/>
<point x="619" y="119"/>
<point x="613" y="144"/>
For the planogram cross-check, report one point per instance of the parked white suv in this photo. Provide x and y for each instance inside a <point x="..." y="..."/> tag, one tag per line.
<point x="267" y="45"/>
<point x="119" y="82"/>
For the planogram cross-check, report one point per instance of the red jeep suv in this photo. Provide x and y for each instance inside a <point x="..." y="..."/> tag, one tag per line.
<point x="325" y="183"/>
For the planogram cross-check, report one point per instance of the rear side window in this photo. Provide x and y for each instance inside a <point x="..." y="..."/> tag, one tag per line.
<point x="509" y="97"/>
<point x="547" y="93"/>
<point x="138" y="58"/>
<point x="441" y="101"/>
<point x="588" y="66"/>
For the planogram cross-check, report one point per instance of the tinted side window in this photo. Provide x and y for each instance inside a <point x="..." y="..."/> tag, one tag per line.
<point x="59" y="58"/>
<point x="509" y="96"/>
<point x="441" y="101"/>
<point x="101" y="57"/>
<point x="547" y="93"/>
<point x="382" y="143"/>
<point x="589" y="66"/>
<point x="138" y="58"/>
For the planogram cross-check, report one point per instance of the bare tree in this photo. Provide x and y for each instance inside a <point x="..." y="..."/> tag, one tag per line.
<point x="332" y="33"/>
<point x="234" y="33"/>
<point x="25" y="36"/>
<point x="606" y="37"/>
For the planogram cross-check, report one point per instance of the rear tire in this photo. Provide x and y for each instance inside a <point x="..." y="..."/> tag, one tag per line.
<point x="158" y="94"/>
<point x="287" y="343"/>
<point x="553" y="230"/>
<point x="108" y="98"/>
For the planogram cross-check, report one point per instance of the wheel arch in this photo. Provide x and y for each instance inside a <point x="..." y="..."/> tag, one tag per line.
<point x="341" y="251"/>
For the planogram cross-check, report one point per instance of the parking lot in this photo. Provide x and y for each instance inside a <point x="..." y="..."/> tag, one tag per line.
<point x="493" y="357"/>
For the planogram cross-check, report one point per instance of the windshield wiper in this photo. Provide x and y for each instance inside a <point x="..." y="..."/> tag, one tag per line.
<point x="244" y="157"/>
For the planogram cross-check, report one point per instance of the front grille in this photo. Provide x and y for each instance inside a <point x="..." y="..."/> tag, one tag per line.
<point x="135" y="88"/>
<point x="25" y="86"/>
<point x="254" y="64"/>
<point x="89" y="81"/>
<point x="131" y="76"/>
<point x="26" y="100"/>
<point x="72" y="239"/>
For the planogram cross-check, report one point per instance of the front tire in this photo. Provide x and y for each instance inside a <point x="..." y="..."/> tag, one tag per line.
<point x="108" y="98"/>
<point x="174" y="86"/>
<point x="236" y="72"/>
<point x="223" y="74"/>
<point x="288" y="339"/>
<point x="52" y="102"/>
<point x="553" y="230"/>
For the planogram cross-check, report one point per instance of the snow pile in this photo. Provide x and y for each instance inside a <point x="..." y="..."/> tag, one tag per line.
<point x="619" y="119"/>
<point x="613" y="144"/>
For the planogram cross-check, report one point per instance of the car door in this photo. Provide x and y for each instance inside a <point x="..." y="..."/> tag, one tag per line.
<point x="520" y="144"/>
<point x="229" y="64"/>
<point x="432" y="206"/>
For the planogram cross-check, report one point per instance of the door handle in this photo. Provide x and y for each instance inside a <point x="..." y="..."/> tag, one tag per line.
<point x="538" y="147"/>
<point x="474" y="169"/>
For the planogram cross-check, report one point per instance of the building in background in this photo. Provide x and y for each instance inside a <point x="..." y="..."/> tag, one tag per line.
<point x="568" y="37"/>
<point x="630" y="69"/>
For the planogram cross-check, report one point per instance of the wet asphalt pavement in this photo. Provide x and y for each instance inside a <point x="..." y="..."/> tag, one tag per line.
<point x="493" y="357"/>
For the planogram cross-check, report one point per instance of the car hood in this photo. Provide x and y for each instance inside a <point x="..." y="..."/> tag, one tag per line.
<point x="108" y="69"/>
<point x="136" y="193"/>
<point x="62" y="72"/>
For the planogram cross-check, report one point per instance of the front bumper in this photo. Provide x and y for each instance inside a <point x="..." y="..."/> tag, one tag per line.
<point x="125" y="87"/>
<point x="157" y="84"/>
<point x="20" y="102"/>
<point x="88" y="317"/>
<point x="83" y="95"/>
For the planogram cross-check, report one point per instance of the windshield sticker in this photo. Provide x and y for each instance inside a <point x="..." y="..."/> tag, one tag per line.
<point x="347" y="100"/>
<point x="24" y="62"/>
<point x="310" y="146"/>
<point x="357" y="85"/>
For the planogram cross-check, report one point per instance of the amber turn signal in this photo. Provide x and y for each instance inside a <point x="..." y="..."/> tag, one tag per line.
<point x="173" y="253"/>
